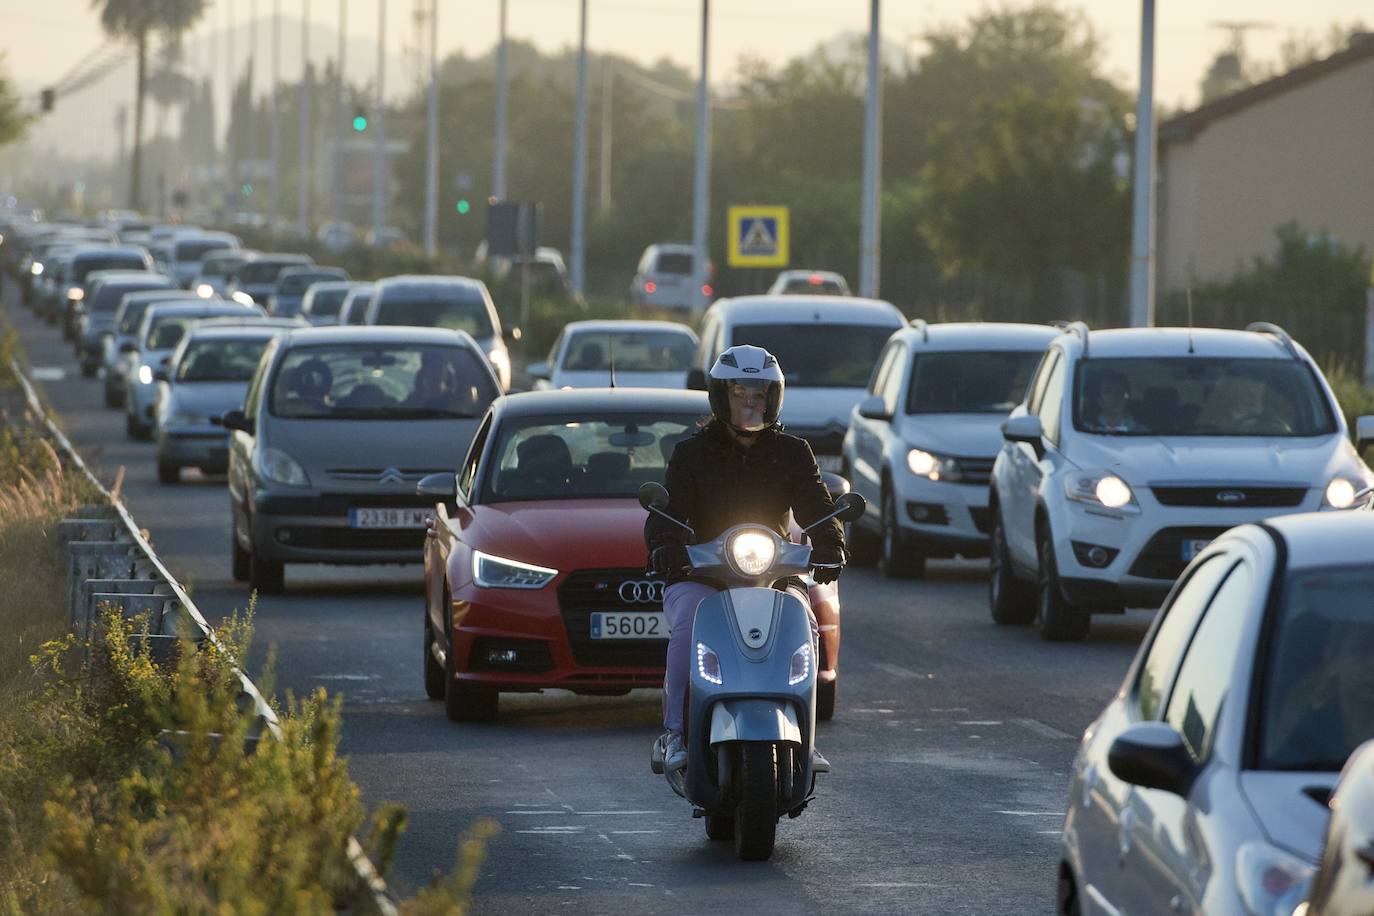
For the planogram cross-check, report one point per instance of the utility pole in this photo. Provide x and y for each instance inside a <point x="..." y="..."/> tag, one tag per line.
<point x="870" y="232"/>
<point x="276" y="107"/>
<point x="579" y="214"/>
<point x="432" y="146"/>
<point x="305" y="181"/>
<point x="1143" y="190"/>
<point x="336" y="203"/>
<point x="379" y="119"/>
<point x="701" y="204"/>
<point x="498" y="168"/>
<point x="253" y="151"/>
<point x="607" y="90"/>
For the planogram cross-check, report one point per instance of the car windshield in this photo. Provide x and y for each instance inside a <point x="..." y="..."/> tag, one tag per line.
<point x="108" y="297"/>
<point x="652" y="351"/>
<point x="220" y="360"/>
<point x="671" y="262"/>
<point x="132" y="317"/>
<point x="195" y="249"/>
<point x="220" y="267"/>
<point x="819" y="355"/>
<point x="327" y="301"/>
<point x="1319" y="678"/>
<point x="985" y="381"/>
<point x="356" y="308"/>
<point x="588" y="457"/>
<point x="297" y="284"/>
<point x="263" y="271"/>
<point x="381" y="382"/>
<point x="166" y="331"/>
<point x="1200" y="396"/>
<point x="87" y="266"/>
<point x="458" y="308"/>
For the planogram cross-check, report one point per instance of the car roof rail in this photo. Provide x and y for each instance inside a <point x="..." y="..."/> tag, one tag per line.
<point x="1268" y="327"/>
<point x="920" y="325"/>
<point x="1079" y="328"/>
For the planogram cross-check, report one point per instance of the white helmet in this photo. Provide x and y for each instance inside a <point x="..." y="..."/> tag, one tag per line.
<point x="752" y="367"/>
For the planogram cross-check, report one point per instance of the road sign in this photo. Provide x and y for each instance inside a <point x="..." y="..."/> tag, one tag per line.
<point x="758" y="237"/>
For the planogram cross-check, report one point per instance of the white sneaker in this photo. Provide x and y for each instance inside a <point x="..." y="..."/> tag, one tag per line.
<point x="674" y="751"/>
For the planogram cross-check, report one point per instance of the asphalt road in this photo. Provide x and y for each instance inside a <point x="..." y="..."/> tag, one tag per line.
<point x="951" y="744"/>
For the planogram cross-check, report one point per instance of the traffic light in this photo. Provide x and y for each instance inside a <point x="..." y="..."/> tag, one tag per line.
<point x="463" y="206"/>
<point x="47" y="98"/>
<point x="359" y="120"/>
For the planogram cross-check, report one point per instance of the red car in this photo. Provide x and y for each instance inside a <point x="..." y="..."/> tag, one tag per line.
<point x="534" y="565"/>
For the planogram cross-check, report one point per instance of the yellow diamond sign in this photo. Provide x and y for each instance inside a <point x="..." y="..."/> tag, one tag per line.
<point x="758" y="237"/>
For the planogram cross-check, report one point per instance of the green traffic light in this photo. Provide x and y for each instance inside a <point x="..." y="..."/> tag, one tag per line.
<point x="463" y="206"/>
<point x="247" y="190"/>
<point x="360" y="123"/>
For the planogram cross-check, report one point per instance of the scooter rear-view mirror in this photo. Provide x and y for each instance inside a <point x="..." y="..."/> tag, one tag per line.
<point x="653" y="495"/>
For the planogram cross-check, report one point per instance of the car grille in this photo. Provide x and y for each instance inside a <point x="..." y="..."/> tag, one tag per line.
<point x="1231" y="497"/>
<point x="1162" y="557"/>
<point x="353" y="538"/>
<point x="585" y="591"/>
<point x="375" y="475"/>
<point x="975" y="470"/>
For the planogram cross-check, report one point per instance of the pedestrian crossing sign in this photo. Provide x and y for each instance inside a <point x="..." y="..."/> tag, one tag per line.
<point x="758" y="237"/>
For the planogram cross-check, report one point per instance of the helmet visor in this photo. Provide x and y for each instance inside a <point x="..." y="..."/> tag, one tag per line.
<point x="749" y="403"/>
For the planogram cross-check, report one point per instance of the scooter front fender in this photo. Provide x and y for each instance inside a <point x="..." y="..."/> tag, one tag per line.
<point x="744" y="719"/>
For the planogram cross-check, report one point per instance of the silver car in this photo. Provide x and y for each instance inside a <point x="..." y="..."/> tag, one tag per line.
<point x="206" y="377"/>
<point x="456" y="303"/>
<point x="217" y="268"/>
<point x="645" y="354"/>
<point x="107" y="291"/>
<point x="322" y="301"/>
<point x="118" y="349"/>
<point x="289" y="292"/>
<point x="189" y="251"/>
<point x="162" y="327"/>
<point x="1202" y="787"/>
<point x="338" y="427"/>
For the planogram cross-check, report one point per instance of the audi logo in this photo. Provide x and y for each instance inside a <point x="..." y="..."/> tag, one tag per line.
<point x="641" y="592"/>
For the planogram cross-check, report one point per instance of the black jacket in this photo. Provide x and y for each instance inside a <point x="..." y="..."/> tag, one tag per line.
<point x="714" y="483"/>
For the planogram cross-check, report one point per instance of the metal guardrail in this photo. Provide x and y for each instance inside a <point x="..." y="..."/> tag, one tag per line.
<point x="111" y="562"/>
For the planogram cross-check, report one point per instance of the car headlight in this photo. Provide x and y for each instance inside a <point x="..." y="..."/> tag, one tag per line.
<point x="1340" y="493"/>
<point x="708" y="664"/>
<point x="205" y="290"/>
<point x="499" y="572"/>
<point x="1271" y="881"/>
<point x="500" y="361"/>
<point x="76" y="293"/>
<point x="933" y="466"/>
<point x="279" y="467"/>
<point x="753" y="552"/>
<point x="35" y="268"/>
<point x="145" y="374"/>
<point x="1100" y="488"/>
<point x="242" y="298"/>
<point x="801" y="665"/>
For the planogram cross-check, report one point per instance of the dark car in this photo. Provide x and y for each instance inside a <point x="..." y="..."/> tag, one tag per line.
<point x="288" y="294"/>
<point x="256" y="279"/>
<point x="85" y="262"/>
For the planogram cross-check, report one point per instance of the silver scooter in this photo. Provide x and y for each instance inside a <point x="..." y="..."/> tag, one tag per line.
<point x="751" y="716"/>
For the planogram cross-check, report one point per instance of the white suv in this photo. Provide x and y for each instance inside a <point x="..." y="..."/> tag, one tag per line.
<point x="1135" y="447"/>
<point x="920" y="447"/>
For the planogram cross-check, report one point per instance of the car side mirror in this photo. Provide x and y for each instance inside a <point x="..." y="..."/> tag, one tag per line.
<point x="539" y="371"/>
<point x="1152" y="755"/>
<point x="1364" y="433"/>
<point x="1026" y="429"/>
<point x="696" y="379"/>
<point x="874" y="407"/>
<point x="835" y="484"/>
<point x="653" y="495"/>
<point x="442" y="486"/>
<point x="237" y="419"/>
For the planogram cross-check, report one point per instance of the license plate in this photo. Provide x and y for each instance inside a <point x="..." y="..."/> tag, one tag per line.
<point x="1193" y="546"/>
<point x="636" y="625"/>
<point x="388" y="518"/>
<point x="831" y="463"/>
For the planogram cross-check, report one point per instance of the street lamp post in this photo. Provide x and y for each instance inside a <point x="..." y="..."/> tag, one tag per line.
<point x="1143" y="191"/>
<point x="498" y="168"/>
<point x="701" y="204"/>
<point x="579" y="214"/>
<point x="870" y="233"/>
<point x="379" y="119"/>
<point x="306" y="180"/>
<point x="432" y="145"/>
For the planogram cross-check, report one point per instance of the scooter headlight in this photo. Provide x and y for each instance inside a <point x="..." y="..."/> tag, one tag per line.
<point x="801" y="665"/>
<point x="753" y="552"/>
<point x="708" y="664"/>
<point x="145" y="374"/>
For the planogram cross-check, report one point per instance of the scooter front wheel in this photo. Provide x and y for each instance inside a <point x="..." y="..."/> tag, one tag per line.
<point x="756" y="815"/>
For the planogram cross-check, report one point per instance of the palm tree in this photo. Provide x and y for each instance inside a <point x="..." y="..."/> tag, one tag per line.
<point x="136" y="21"/>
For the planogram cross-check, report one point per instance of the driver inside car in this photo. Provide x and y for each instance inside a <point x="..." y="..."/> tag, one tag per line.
<point x="739" y="468"/>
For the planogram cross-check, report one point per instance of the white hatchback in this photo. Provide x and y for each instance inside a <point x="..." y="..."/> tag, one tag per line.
<point x="1135" y="448"/>
<point x="643" y="354"/>
<point x="920" y="446"/>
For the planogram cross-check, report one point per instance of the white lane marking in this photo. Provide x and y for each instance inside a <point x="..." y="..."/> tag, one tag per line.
<point x="950" y="709"/>
<point x="1033" y="813"/>
<point x="885" y="712"/>
<point x="981" y="722"/>
<point x="47" y="373"/>
<point x="589" y="813"/>
<point x="637" y="884"/>
<point x="568" y="887"/>
<point x="535" y="812"/>
<point x="900" y="884"/>
<point x="1043" y="730"/>
<point x="349" y="677"/>
<point x="553" y="831"/>
<point x="1047" y="832"/>
<point x="620" y="832"/>
<point x="895" y="670"/>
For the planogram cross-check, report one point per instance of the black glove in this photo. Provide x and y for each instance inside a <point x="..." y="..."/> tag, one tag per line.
<point x="827" y="564"/>
<point x="668" y="559"/>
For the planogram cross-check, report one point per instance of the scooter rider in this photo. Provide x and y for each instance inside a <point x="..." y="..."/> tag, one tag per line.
<point x="741" y="467"/>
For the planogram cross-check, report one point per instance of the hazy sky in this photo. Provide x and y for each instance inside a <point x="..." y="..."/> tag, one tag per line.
<point x="40" y="40"/>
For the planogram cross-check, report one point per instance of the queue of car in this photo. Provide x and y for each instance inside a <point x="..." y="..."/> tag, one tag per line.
<point x="1199" y="471"/>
